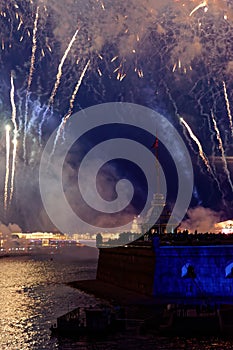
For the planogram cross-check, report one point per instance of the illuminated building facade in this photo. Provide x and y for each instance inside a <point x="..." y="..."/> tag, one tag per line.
<point x="194" y="272"/>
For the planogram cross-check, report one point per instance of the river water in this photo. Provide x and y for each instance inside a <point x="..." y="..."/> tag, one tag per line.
<point x="33" y="293"/>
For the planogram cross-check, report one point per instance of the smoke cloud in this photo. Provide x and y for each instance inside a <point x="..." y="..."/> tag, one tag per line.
<point x="127" y="25"/>
<point x="201" y="219"/>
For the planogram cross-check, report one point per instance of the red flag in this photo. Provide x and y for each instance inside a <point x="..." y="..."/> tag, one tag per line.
<point x="156" y="143"/>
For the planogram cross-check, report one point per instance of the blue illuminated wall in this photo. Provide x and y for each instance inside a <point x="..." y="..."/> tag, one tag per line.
<point x="194" y="272"/>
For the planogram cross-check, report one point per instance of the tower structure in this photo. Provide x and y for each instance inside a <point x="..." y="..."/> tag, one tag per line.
<point x="135" y="228"/>
<point x="158" y="215"/>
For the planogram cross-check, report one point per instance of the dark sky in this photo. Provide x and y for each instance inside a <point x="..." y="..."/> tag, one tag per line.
<point x="175" y="59"/>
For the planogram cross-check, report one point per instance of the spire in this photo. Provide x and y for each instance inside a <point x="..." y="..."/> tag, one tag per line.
<point x="158" y="202"/>
<point x="156" y="148"/>
<point x="158" y="215"/>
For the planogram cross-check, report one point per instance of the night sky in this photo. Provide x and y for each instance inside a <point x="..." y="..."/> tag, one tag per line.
<point x="175" y="57"/>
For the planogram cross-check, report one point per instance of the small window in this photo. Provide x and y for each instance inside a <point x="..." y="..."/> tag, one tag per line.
<point x="229" y="271"/>
<point x="188" y="271"/>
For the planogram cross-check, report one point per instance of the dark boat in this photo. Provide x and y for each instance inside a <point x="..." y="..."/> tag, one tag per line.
<point x="85" y="321"/>
<point x="187" y="320"/>
<point x="226" y="319"/>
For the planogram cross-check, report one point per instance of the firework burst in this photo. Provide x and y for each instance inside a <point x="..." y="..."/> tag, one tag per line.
<point x="183" y="51"/>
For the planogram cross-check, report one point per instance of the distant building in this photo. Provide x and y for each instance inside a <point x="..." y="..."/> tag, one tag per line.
<point x="156" y="221"/>
<point x="40" y="235"/>
<point x="135" y="228"/>
<point x="43" y="239"/>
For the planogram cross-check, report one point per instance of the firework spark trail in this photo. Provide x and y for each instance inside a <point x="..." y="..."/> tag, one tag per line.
<point x="212" y="133"/>
<point x="20" y="109"/>
<point x="34" y="47"/>
<point x="67" y="116"/>
<point x="32" y="67"/>
<point x="195" y="139"/>
<point x="59" y="71"/>
<point x="7" y="166"/>
<point x="201" y="152"/>
<point x="228" y="107"/>
<point x="57" y="82"/>
<point x="177" y="113"/>
<point x="74" y="94"/>
<point x="171" y="99"/>
<point x="207" y="116"/>
<point x="13" y="167"/>
<point x="226" y="170"/>
<point x="203" y="4"/>
<point x="42" y="122"/>
<point x="13" y="118"/>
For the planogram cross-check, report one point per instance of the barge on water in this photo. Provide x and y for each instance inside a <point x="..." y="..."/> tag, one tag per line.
<point x="87" y="321"/>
